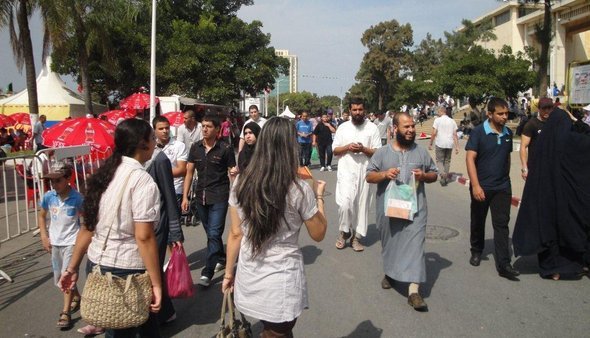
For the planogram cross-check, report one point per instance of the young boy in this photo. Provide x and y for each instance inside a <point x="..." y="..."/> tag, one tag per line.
<point x="63" y="204"/>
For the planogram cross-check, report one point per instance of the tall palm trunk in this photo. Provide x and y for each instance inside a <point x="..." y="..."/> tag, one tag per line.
<point x="22" y="18"/>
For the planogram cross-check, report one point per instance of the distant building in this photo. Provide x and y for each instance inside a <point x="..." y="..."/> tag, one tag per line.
<point x="514" y="25"/>
<point x="287" y="83"/>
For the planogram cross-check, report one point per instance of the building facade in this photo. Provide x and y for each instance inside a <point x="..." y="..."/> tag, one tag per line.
<point x="287" y="83"/>
<point x="515" y="25"/>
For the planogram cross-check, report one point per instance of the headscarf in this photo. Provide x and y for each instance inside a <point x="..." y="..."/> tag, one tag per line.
<point x="246" y="153"/>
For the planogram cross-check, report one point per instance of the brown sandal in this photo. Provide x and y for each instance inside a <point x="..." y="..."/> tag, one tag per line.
<point x="341" y="241"/>
<point x="65" y="320"/>
<point x="75" y="304"/>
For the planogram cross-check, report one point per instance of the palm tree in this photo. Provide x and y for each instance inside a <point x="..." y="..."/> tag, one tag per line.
<point x="22" y="47"/>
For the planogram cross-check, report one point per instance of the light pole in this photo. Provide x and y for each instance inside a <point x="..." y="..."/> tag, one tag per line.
<point x="278" y="93"/>
<point x="285" y="100"/>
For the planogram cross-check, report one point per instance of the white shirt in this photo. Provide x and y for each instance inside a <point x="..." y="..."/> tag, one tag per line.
<point x="140" y="203"/>
<point x="261" y="121"/>
<point x="383" y="125"/>
<point x="175" y="151"/>
<point x="445" y="127"/>
<point x="188" y="137"/>
<point x="348" y="132"/>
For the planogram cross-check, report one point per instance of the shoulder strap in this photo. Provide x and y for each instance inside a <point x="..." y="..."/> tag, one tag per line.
<point x="114" y="215"/>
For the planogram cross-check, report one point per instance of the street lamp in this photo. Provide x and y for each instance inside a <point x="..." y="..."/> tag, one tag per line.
<point x="285" y="100"/>
<point x="278" y="93"/>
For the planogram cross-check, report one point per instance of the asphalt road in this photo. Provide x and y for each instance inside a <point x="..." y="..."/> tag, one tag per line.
<point x="345" y="296"/>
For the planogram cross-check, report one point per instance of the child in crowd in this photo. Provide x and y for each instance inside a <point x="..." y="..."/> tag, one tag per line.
<point x="63" y="205"/>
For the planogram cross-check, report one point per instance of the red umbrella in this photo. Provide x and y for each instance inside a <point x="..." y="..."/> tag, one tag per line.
<point x="137" y="101"/>
<point x="176" y="118"/>
<point x="113" y="116"/>
<point x="6" y="121"/>
<point x="98" y="134"/>
<point x="21" y="118"/>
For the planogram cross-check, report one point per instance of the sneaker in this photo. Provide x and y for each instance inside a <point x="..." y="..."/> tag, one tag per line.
<point x="204" y="281"/>
<point x="322" y="168"/>
<point x="219" y="267"/>
<point x="329" y="168"/>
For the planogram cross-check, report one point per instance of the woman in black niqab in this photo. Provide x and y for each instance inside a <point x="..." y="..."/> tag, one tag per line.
<point x="246" y="154"/>
<point x="554" y="216"/>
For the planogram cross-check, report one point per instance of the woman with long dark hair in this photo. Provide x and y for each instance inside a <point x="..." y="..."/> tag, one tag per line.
<point x="131" y="245"/>
<point x="268" y="206"/>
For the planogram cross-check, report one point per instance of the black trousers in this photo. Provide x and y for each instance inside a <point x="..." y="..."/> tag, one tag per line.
<point x="304" y="154"/>
<point x="325" y="153"/>
<point x="499" y="203"/>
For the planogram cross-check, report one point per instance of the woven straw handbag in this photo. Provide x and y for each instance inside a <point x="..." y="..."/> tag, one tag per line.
<point x="236" y="328"/>
<point x="113" y="302"/>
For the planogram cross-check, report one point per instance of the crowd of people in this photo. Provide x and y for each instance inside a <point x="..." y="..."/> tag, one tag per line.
<point x="134" y="203"/>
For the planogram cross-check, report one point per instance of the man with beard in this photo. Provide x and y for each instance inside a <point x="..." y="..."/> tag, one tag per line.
<point x="531" y="132"/>
<point x="355" y="142"/>
<point x="488" y="165"/>
<point x="402" y="240"/>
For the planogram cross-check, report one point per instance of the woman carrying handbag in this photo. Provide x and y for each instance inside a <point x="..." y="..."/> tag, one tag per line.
<point x="269" y="205"/>
<point x="121" y="210"/>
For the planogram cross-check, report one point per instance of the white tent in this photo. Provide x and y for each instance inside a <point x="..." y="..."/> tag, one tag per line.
<point x="287" y="113"/>
<point x="56" y="100"/>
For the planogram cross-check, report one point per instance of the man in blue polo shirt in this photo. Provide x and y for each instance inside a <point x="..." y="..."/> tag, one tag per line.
<point x="304" y="132"/>
<point x="488" y="165"/>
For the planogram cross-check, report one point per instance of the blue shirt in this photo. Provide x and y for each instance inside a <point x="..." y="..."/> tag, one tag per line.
<point x="64" y="216"/>
<point x="304" y="127"/>
<point x="493" y="156"/>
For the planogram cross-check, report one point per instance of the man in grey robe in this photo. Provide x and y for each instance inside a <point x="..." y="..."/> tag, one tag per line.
<point x="402" y="240"/>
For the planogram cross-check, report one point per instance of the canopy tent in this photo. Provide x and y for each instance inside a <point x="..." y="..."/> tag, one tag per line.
<point x="56" y="101"/>
<point x="287" y="113"/>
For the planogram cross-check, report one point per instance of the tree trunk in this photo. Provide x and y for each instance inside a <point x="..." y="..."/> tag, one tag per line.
<point x="85" y="79"/>
<point x="544" y="37"/>
<point x="31" y="74"/>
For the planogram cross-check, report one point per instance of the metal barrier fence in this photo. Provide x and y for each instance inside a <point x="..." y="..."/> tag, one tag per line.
<point x="23" y="184"/>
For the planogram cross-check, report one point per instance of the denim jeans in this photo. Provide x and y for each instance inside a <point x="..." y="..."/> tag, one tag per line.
<point x="213" y="219"/>
<point x="148" y="329"/>
<point x="304" y="154"/>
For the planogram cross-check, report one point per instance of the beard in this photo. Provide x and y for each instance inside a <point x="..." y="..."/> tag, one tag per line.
<point x="358" y="119"/>
<point x="401" y="139"/>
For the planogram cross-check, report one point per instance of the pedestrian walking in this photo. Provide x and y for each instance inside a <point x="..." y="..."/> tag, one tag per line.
<point x="304" y="138"/>
<point x="251" y="132"/>
<point x="355" y="142"/>
<point x="322" y="139"/>
<point x="254" y="117"/>
<point x="402" y="240"/>
<point x="444" y="137"/>
<point x="268" y="207"/>
<point x="531" y="131"/>
<point x="488" y="165"/>
<point x="212" y="158"/>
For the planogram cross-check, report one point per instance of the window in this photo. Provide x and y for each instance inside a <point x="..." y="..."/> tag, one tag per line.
<point x="502" y="18"/>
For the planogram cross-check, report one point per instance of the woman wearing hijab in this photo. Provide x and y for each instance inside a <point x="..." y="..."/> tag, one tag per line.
<point x="554" y="216"/>
<point x="251" y="132"/>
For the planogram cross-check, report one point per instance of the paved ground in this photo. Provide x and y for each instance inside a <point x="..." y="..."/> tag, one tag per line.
<point x="346" y="299"/>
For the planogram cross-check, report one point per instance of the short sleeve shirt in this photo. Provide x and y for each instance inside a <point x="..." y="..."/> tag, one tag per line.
<point x="64" y="216"/>
<point x="261" y="121"/>
<point x="383" y="126"/>
<point x="212" y="166"/>
<point x="323" y="134"/>
<point x="493" y="156"/>
<point x="446" y="128"/>
<point x="38" y="130"/>
<point x="304" y="127"/>
<point x="175" y="151"/>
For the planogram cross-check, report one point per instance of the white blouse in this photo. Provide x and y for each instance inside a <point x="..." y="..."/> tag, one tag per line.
<point x="140" y="203"/>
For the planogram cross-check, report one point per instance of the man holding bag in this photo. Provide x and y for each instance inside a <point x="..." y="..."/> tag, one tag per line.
<point x="402" y="239"/>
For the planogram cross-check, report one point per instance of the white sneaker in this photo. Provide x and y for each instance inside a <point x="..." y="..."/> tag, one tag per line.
<point x="329" y="168"/>
<point x="322" y="168"/>
<point x="204" y="281"/>
<point x="219" y="267"/>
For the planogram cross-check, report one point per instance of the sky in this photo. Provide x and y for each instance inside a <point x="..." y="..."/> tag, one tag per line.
<point x="325" y="35"/>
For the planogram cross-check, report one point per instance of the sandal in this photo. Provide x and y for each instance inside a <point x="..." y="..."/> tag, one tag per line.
<point x="341" y="241"/>
<point x="75" y="305"/>
<point x="555" y="276"/>
<point x="356" y="245"/>
<point x="91" y="330"/>
<point x="65" y="320"/>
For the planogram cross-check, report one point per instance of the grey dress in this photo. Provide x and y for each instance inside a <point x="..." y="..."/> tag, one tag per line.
<point x="402" y="241"/>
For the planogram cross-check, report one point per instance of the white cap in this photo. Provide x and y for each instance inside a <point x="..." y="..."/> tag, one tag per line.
<point x="587" y="107"/>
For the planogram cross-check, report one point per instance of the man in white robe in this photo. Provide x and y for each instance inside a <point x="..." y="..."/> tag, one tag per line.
<point x="355" y="142"/>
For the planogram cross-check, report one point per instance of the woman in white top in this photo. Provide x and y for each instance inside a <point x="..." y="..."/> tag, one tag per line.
<point x="268" y="206"/>
<point x="131" y="245"/>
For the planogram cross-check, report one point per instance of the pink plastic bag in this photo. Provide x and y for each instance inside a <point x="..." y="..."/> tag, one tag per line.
<point x="178" y="275"/>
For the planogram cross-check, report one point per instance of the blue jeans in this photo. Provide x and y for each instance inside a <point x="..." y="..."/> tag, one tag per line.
<point x="148" y="329"/>
<point x="213" y="218"/>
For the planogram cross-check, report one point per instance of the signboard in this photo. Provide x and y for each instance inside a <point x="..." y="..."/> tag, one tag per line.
<point x="579" y="84"/>
<point x="250" y="101"/>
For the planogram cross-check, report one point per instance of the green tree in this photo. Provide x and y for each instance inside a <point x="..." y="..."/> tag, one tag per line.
<point x="22" y="47"/>
<point x="387" y="57"/>
<point x="426" y="57"/>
